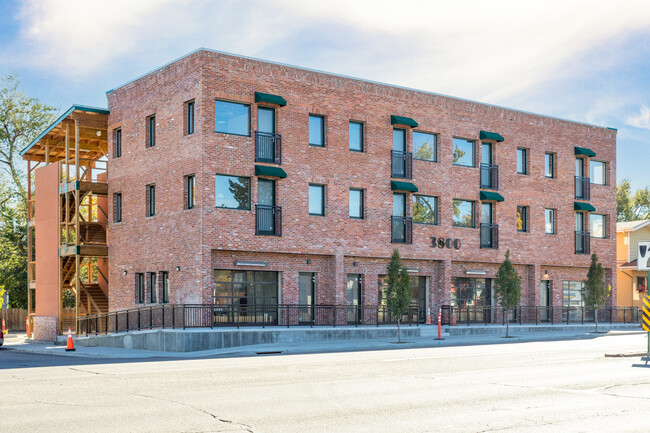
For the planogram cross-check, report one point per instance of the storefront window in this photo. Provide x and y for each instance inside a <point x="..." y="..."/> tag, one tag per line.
<point x="572" y="302"/>
<point x="245" y="296"/>
<point x="473" y="298"/>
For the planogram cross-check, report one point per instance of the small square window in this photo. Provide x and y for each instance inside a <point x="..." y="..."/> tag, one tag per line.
<point x="598" y="172"/>
<point x="425" y="146"/>
<point x="316" y="130"/>
<point x="463" y="212"/>
<point x="425" y="209"/>
<point x="522" y="218"/>
<point x="232" y="118"/>
<point x="316" y="199"/>
<point x="522" y="161"/>
<point x="463" y="152"/>
<point x="597" y="226"/>
<point x="356" y="136"/>
<point x="232" y="192"/>
<point x="356" y="203"/>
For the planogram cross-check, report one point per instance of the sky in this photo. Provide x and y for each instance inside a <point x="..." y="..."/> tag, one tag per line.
<point x="583" y="60"/>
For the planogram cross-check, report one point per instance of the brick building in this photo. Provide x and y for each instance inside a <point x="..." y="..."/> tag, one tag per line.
<point x="244" y="182"/>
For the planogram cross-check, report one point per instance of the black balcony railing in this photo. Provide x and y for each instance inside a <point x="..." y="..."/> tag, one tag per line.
<point x="489" y="176"/>
<point x="268" y="147"/>
<point x="583" y="190"/>
<point x="490" y="236"/>
<point x="268" y="220"/>
<point x="582" y="242"/>
<point x="402" y="164"/>
<point x="401" y="230"/>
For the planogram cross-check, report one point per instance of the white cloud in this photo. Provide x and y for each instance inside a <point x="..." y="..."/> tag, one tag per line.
<point x="640" y="120"/>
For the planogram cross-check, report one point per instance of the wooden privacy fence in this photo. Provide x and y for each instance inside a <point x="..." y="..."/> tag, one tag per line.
<point x="14" y="318"/>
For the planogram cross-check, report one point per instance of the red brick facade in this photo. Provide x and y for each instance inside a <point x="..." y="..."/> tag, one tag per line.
<point x="198" y="240"/>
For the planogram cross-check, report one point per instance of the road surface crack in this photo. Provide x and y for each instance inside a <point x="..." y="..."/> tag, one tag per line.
<point x="87" y="371"/>
<point x="244" y="427"/>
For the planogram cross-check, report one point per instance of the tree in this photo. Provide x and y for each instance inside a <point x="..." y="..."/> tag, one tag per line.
<point x="507" y="288"/>
<point x="594" y="293"/>
<point x="632" y="207"/>
<point x="13" y="248"/>
<point x="398" y="291"/>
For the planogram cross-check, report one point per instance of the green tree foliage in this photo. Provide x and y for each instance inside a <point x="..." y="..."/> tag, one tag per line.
<point x="398" y="290"/>
<point x="423" y="211"/>
<point x="632" y="207"/>
<point x="13" y="248"/>
<point x="507" y="288"/>
<point x="594" y="293"/>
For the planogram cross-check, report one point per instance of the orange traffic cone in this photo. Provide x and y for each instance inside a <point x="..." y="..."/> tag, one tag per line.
<point x="70" y="347"/>
<point x="4" y="331"/>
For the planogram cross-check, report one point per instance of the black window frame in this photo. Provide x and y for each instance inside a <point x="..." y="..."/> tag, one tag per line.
<point x="322" y="129"/>
<point x="473" y="142"/>
<point x="152" y="287"/>
<point x="591" y="177"/>
<point x="248" y="181"/>
<point x="117" y="142"/>
<point x="248" y="123"/>
<point x="435" y="146"/>
<point x="117" y="207"/>
<point x="553" y="221"/>
<point x="473" y="202"/>
<point x="436" y="210"/>
<point x="552" y="165"/>
<point x="139" y="288"/>
<point x="591" y="229"/>
<point x="361" y="138"/>
<point x="525" y="160"/>
<point x="362" y="203"/>
<point x="151" y="131"/>
<point x="322" y="189"/>
<point x="189" y="184"/>
<point x="151" y="200"/>
<point x="525" y="215"/>
<point x="190" y="117"/>
<point x="164" y="287"/>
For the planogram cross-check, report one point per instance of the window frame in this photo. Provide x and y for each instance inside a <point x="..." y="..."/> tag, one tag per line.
<point x="117" y="207"/>
<point x="453" y="147"/>
<point x="151" y="200"/>
<point x="524" y="151"/>
<point x="362" y="203"/>
<point x="250" y="198"/>
<point x="591" y="177"/>
<point x="591" y="230"/>
<point x="190" y="117"/>
<point x="552" y="165"/>
<point x="152" y="287"/>
<point x="322" y="194"/>
<point x="140" y="288"/>
<point x="151" y="131"/>
<point x="362" y="138"/>
<point x="525" y="225"/>
<point x="117" y="142"/>
<point x="322" y="129"/>
<point x="248" y="123"/>
<point x="164" y="287"/>
<point x="553" y="212"/>
<point x="189" y="184"/>
<point x="435" y="212"/>
<point x="435" y="146"/>
<point x="473" y="203"/>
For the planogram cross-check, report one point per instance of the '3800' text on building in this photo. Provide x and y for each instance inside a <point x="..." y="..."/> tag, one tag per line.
<point x="226" y="180"/>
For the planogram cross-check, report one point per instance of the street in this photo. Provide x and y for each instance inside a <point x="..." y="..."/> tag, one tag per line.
<point x="523" y="387"/>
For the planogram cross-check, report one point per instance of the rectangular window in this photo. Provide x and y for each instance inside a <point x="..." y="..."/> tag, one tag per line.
<point x="549" y="165"/>
<point x="190" y="192"/>
<point x="232" y="192"/>
<point x="139" y="288"/>
<point x="399" y="140"/>
<point x="356" y="136"/>
<point x="151" y="131"/>
<point x="316" y="130"/>
<point x="425" y="209"/>
<point x="597" y="226"/>
<point x="463" y="152"/>
<point x="572" y="297"/>
<point x="353" y="292"/>
<point x="522" y="218"/>
<point x="164" y="286"/>
<point x="549" y="221"/>
<point x="463" y="213"/>
<point x="598" y="172"/>
<point x="117" y="143"/>
<point x="232" y="118"/>
<point x="253" y="293"/>
<point x="151" y="200"/>
<point x="425" y="146"/>
<point x="189" y="118"/>
<point x="117" y="207"/>
<point x="522" y="161"/>
<point x="356" y="203"/>
<point x="316" y="199"/>
<point x="151" y="277"/>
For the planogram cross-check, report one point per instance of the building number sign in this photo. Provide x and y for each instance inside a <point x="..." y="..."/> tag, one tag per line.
<point x="445" y="243"/>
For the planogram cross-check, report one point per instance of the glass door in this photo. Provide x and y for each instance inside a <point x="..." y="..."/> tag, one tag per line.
<point x="265" y="137"/>
<point x="545" y="300"/>
<point x="487" y="234"/>
<point x="265" y="206"/>
<point x="266" y="120"/>
<point x="306" y="297"/>
<point x="353" y="298"/>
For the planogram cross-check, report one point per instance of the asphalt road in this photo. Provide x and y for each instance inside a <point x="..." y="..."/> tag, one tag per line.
<point x="558" y="386"/>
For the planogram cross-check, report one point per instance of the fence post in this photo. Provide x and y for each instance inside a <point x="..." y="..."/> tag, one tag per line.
<point x="183" y="316"/>
<point x="211" y="316"/>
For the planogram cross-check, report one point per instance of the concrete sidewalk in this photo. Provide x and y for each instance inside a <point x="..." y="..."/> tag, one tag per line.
<point x="491" y="334"/>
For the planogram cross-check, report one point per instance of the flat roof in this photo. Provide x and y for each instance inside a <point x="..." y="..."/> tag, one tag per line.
<point x="351" y="78"/>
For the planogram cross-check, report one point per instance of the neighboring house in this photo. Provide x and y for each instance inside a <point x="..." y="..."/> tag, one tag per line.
<point x="632" y="284"/>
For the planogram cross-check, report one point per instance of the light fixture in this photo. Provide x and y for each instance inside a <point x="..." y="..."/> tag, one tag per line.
<point x="354" y="263"/>
<point x="125" y="272"/>
<point x="178" y="268"/>
<point x="468" y="272"/>
<point x="247" y="263"/>
<point x="546" y="276"/>
<point x="99" y="133"/>
<point x="412" y="270"/>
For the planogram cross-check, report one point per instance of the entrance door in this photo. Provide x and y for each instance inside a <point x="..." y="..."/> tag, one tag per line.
<point x="354" y="298"/>
<point x="486" y="165"/>
<point x="306" y="297"/>
<point x="266" y="202"/>
<point x="545" y="300"/>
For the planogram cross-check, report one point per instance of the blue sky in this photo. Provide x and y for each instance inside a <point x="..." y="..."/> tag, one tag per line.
<point x="587" y="61"/>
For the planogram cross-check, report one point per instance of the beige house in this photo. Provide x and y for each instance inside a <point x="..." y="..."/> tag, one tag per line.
<point x="632" y="285"/>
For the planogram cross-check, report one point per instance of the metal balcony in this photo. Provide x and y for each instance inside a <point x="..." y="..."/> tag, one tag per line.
<point x="583" y="188"/>
<point x="268" y="147"/>
<point x="402" y="164"/>
<point x="583" y="244"/>
<point x="401" y="230"/>
<point x="268" y="220"/>
<point x="490" y="236"/>
<point x="489" y="176"/>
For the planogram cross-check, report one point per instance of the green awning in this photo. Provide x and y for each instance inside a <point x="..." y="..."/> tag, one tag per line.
<point x="486" y="135"/>
<point x="399" y="120"/>
<point x="583" y="206"/>
<point x="263" y="170"/>
<point x="402" y="186"/>
<point x="271" y="99"/>
<point x="584" y="151"/>
<point x="491" y="196"/>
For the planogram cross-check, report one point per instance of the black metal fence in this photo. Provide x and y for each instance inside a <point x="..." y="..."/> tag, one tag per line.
<point x="402" y="164"/>
<point x="268" y="147"/>
<point x="401" y="230"/>
<point x="489" y="236"/>
<point x="583" y="242"/>
<point x="583" y="188"/>
<point x="268" y="220"/>
<point x="489" y="176"/>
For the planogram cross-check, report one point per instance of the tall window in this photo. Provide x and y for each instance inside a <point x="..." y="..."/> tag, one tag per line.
<point x="117" y="143"/>
<point x="549" y="221"/>
<point x="316" y="130"/>
<point x="353" y="292"/>
<point x="232" y="192"/>
<point x="572" y="297"/>
<point x="425" y="146"/>
<point x="190" y="194"/>
<point x="139" y="288"/>
<point x="151" y="131"/>
<point x="597" y="226"/>
<point x="356" y="136"/>
<point x="151" y="277"/>
<point x="522" y="218"/>
<point x="598" y="172"/>
<point x="151" y="200"/>
<point x="164" y="285"/>
<point x="549" y="165"/>
<point x="356" y="203"/>
<point x="117" y="207"/>
<point x="316" y="199"/>
<point x="463" y="152"/>
<point x="522" y="161"/>
<point x="399" y="140"/>
<point x="232" y="118"/>
<point x="463" y="213"/>
<point x="425" y="209"/>
<point x="189" y="118"/>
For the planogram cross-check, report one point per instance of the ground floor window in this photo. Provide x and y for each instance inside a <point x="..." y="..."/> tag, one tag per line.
<point x="573" y="305"/>
<point x="473" y="298"/>
<point x="245" y="296"/>
<point x="417" y="308"/>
